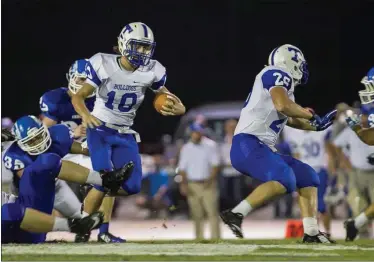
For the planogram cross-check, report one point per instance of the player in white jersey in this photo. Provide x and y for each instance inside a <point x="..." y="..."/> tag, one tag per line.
<point x="120" y="83"/>
<point x="267" y="109"/>
<point x="311" y="148"/>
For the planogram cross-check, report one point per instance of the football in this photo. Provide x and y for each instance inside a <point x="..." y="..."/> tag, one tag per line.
<point x="159" y="101"/>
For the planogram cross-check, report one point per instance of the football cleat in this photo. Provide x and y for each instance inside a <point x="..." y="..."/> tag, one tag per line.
<point x="319" y="238"/>
<point x="82" y="238"/>
<point x="109" y="238"/>
<point x="234" y="221"/>
<point x="112" y="180"/>
<point x="351" y="230"/>
<point x="85" y="225"/>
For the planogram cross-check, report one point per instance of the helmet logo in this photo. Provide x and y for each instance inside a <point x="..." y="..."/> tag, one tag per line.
<point x="296" y="53"/>
<point x="127" y="29"/>
<point x="145" y="30"/>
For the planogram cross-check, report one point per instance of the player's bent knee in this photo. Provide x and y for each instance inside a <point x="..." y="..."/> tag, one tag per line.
<point x="308" y="178"/>
<point x="286" y="177"/>
<point x="48" y="164"/>
<point x="132" y="187"/>
<point x="14" y="212"/>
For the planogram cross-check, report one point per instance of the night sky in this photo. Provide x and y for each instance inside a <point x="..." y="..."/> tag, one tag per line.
<point x="212" y="51"/>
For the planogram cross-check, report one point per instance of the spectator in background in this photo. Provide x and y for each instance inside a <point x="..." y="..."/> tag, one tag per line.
<point x="201" y="121"/>
<point x="198" y="166"/>
<point x="231" y="178"/>
<point x="155" y="197"/>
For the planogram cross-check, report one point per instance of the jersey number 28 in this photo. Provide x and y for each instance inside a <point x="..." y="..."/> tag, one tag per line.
<point x="128" y="100"/>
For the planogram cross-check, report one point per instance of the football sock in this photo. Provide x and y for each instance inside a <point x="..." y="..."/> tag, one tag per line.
<point x="104" y="228"/>
<point x="361" y="220"/>
<point x="94" y="178"/>
<point x="243" y="208"/>
<point x="310" y="226"/>
<point x="61" y="224"/>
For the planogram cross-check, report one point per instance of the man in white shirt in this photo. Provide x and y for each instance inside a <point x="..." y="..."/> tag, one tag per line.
<point x="198" y="166"/>
<point x="361" y="184"/>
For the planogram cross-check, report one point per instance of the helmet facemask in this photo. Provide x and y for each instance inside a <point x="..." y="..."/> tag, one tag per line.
<point x="38" y="141"/>
<point x="137" y="52"/>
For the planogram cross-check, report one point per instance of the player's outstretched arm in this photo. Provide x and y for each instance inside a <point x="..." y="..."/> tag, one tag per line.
<point x="300" y="123"/>
<point x="286" y="106"/>
<point x="175" y="106"/>
<point x="77" y="148"/>
<point x="366" y="135"/>
<point x="80" y="107"/>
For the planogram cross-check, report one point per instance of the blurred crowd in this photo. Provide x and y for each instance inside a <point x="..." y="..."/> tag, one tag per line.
<point x="216" y="185"/>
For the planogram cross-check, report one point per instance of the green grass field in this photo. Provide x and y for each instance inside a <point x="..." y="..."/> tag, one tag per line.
<point x="285" y="250"/>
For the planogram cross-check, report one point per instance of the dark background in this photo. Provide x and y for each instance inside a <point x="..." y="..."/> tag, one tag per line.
<point x="212" y="50"/>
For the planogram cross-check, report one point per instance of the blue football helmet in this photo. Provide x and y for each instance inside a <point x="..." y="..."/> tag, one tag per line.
<point x="136" y="43"/>
<point x="292" y="59"/>
<point x="31" y="135"/>
<point x="77" y="75"/>
<point x="367" y="95"/>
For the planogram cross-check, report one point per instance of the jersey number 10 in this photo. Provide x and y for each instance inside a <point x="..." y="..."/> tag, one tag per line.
<point x="128" y="100"/>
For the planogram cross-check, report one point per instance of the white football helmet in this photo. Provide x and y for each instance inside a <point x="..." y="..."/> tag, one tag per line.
<point x="367" y="95"/>
<point x="292" y="59"/>
<point x="136" y="43"/>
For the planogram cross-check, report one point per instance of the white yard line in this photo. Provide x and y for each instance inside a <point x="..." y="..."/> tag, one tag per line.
<point x="172" y="249"/>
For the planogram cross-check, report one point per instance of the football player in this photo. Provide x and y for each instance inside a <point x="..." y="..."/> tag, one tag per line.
<point x="35" y="160"/>
<point x="23" y="224"/>
<point x="57" y="108"/>
<point x="364" y="128"/>
<point x="310" y="147"/>
<point x="120" y="83"/>
<point x="268" y="108"/>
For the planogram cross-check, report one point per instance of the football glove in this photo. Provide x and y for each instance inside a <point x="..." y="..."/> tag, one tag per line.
<point x="324" y="122"/>
<point x="353" y="120"/>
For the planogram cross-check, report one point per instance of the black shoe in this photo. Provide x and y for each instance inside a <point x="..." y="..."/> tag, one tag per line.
<point x="234" y="221"/>
<point x="82" y="238"/>
<point x="85" y="225"/>
<point x="319" y="238"/>
<point x="351" y="230"/>
<point x="112" y="180"/>
<point x="109" y="238"/>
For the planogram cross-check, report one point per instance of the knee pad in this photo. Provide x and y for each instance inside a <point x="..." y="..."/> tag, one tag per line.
<point x="286" y="177"/>
<point x="48" y="164"/>
<point x="132" y="186"/>
<point x="13" y="212"/>
<point x="308" y="178"/>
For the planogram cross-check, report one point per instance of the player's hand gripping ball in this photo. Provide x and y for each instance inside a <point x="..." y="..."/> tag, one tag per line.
<point x="163" y="100"/>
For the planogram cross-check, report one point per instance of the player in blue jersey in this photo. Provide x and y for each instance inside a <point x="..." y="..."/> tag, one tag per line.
<point x="22" y="224"/>
<point x="35" y="160"/>
<point x="364" y="128"/>
<point x="57" y="108"/>
<point x="120" y="83"/>
<point x="268" y="108"/>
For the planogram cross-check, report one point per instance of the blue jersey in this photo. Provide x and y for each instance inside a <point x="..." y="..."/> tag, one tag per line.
<point x="16" y="159"/>
<point x="56" y="105"/>
<point x="369" y="111"/>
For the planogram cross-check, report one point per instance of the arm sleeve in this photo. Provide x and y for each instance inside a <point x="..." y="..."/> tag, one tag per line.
<point x="276" y="77"/>
<point x="160" y="76"/>
<point x="48" y="107"/>
<point x="214" y="156"/>
<point x="182" y="165"/>
<point x="94" y="70"/>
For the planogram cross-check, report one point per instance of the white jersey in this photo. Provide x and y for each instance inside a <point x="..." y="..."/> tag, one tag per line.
<point x="309" y="146"/>
<point x="358" y="150"/>
<point x="119" y="92"/>
<point x="7" y="198"/>
<point x="259" y="116"/>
